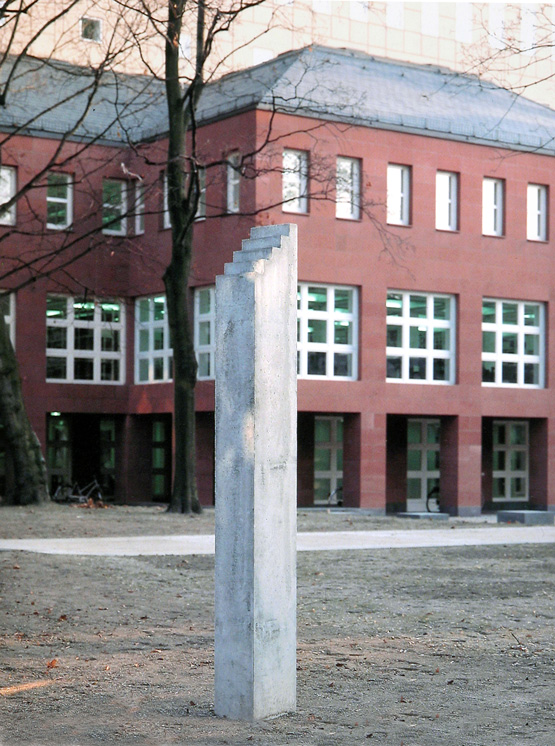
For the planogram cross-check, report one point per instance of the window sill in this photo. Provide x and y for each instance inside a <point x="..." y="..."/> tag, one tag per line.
<point x="400" y="225"/>
<point x="349" y="220"/>
<point x="448" y="230"/>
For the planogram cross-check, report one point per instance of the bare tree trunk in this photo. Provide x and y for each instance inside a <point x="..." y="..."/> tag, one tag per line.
<point x="22" y="445"/>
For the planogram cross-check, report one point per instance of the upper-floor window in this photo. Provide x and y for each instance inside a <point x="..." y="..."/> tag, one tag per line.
<point x="84" y="340"/>
<point x="398" y="194"/>
<point x="295" y="181"/>
<point x="327" y="331"/>
<point x="536" y="213"/>
<point x="59" y="201"/>
<point x="114" y="207"/>
<point x="153" y="352"/>
<point x="347" y="189"/>
<point x="7" y="191"/>
<point x="420" y="337"/>
<point x="205" y="301"/>
<point x="201" y="205"/>
<point x="233" y="180"/>
<point x="7" y="309"/>
<point x="513" y="340"/>
<point x="91" y="29"/>
<point x="447" y="197"/>
<point x="139" y="208"/>
<point x="493" y="206"/>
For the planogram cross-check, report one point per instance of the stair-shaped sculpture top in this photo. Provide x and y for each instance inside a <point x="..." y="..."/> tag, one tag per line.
<point x="259" y="247"/>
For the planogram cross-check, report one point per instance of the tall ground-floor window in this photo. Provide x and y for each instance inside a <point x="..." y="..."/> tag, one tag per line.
<point x="422" y="461"/>
<point x="161" y="459"/>
<point x="510" y="460"/>
<point x="328" y="460"/>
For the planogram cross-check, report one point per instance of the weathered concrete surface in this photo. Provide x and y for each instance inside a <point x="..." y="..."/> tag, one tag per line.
<point x="528" y="517"/>
<point x="256" y="448"/>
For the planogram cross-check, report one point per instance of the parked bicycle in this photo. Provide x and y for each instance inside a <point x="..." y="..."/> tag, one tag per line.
<point x="433" y="502"/>
<point x="67" y="493"/>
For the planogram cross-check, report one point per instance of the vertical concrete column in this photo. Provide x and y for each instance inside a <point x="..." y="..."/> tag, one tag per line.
<point x="461" y="465"/>
<point x="256" y="449"/>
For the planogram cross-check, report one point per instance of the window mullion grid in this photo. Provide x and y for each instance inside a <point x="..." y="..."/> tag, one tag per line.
<point x="330" y="331"/>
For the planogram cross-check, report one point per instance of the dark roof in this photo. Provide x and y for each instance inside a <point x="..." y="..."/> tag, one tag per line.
<point x="354" y="87"/>
<point x="336" y="84"/>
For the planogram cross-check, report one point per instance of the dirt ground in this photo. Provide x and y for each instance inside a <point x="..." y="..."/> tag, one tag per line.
<point x="404" y="647"/>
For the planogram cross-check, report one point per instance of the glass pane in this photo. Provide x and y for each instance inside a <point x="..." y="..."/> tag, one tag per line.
<point x="339" y="430"/>
<point x="322" y="459"/>
<point x="83" y="369"/>
<point x="204" y="305"/>
<point x="394" y="367"/>
<point x="339" y="459"/>
<point x="414" y="488"/>
<point x="488" y="372"/>
<point x="322" y="489"/>
<point x="532" y="374"/>
<point x="322" y="431"/>
<point x="432" y="460"/>
<point x="414" y="460"/>
<point x="343" y="333"/>
<point x="394" y="336"/>
<point x="143" y="370"/>
<point x="57" y="185"/>
<point x="204" y="364"/>
<point x="143" y="340"/>
<point x="109" y="370"/>
<point x="204" y="333"/>
<point x="158" y="368"/>
<point x="518" y="435"/>
<point x="499" y="487"/>
<point x="159" y="308"/>
<point x="158" y="458"/>
<point x="158" y="432"/>
<point x="488" y="312"/>
<point x="414" y="431"/>
<point x="418" y="306"/>
<point x="510" y="343"/>
<point x="433" y="432"/>
<point x="509" y="373"/>
<point x="488" y="341"/>
<point x="110" y="312"/>
<point x="499" y="434"/>
<point x="417" y="368"/>
<point x="510" y="313"/>
<point x="342" y="365"/>
<point x="518" y="460"/>
<point x="158" y="339"/>
<point x="432" y="486"/>
<point x="317" y="331"/>
<point x="56" y="308"/>
<point x="109" y="340"/>
<point x="316" y="363"/>
<point x="441" y="339"/>
<point x="56" y="213"/>
<point x="343" y="301"/>
<point x="441" y="369"/>
<point x="84" y="339"/>
<point x="58" y="429"/>
<point x="518" y="487"/>
<point x="499" y="460"/>
<point x="531" y="315"/>
<point x="56" y="339"/>
<point x="158" y="484"/>
<point x="83" y="310"/>
<point x="144" y="310"/>
<point x="317" y="299"/>
<point x="394" y="304"/>
<point x="417" y="338"/>
<point x="56" y="367"/>
<point x="442" y="308"/>
<point x="531" y="344"/>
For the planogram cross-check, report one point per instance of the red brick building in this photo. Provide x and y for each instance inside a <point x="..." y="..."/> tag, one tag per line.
<point x="426" y="281"/>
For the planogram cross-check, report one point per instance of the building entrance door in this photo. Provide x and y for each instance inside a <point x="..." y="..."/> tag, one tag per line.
<point x="422" y="461"/>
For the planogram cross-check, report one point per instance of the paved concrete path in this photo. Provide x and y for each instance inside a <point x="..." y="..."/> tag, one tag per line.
<point x="133" y="546"/>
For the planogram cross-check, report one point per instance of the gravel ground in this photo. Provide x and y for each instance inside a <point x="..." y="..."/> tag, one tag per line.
<point x="402" y="647"/>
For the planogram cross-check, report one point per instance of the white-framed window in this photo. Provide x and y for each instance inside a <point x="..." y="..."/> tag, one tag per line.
<point x="513" y="341"/>
<point x="536" y="212"/>
<point x="59" y="201"/>
<point x="496" y="25"/>
<point x="398" y="194"/>
<point x="139" y="208"/>
<point x="204" y="335"/>
<point x="7" y="308"/>
<point x="295" y="181"/>
<point x="91" y="29"/>
<point x="423" y="450"/>
<point x="166" y="222"/>
<point x="347" y="189"/>
<point x="7" y="191"/>
<point x="153" y="352"/>
<point x="114" y="207"/>
<point x="395" y="15"/>
<point x="328" y="460"/>
<point x="493" y="201"/>
<point x="510" y="461"/>
<point x="233" y="182"/>
<point x="447" y="198"/>
<point x="429" y="19"/>
<point x="463" y="22"/>
<point x="420" y="337"/>
<point x="327" y="331"/>
<point x="201" y="206"/>
<point x="85" y="340"/>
